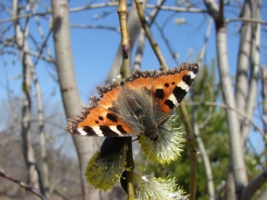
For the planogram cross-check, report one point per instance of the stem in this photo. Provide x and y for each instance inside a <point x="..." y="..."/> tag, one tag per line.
<point x="126" y="71"/>
<point x="125" y="45"/>
<point x="153" y="43"/>
<point x="191" y="145"/>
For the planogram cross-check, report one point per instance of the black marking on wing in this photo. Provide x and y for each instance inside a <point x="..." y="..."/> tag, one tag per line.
<point x="179" y="94"/>
<point x="120" y="128"/>
<point x="89" y="130"/>
<point x="159" y="93"/>
<point x="169" y="103"/>
<point x="188" y="80"/>
<point x="106" y="131"/>
<point x="112" y="117"/>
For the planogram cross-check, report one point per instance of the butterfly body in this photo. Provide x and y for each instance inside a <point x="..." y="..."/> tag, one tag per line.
<point x="138" y="106"/>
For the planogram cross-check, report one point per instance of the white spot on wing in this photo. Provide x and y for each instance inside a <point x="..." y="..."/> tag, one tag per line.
<point x="173" y="99"/>
<point x="192" y="74"/>
<point x="81" y="131"/>
<point x="114" y="128"/>
<point x="183" y="85"/>
<point x="98" y="131"/>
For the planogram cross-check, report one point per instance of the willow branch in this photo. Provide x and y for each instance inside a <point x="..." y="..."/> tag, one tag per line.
<point x="228" y="107"/>
<point x="153" y="43"/>
<point x="125" y="45"/>
<point x="244" y="19"/>
<point x="125" y="71"/>
<point x="23" y="185"/>
<point x="191" y="145"/>
<point x="155" y="12"/>
<point x="254" y="185"/>
<point x="87" y="26"/>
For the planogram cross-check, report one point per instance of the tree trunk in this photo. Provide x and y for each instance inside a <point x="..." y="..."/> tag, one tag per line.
<point x="236" y="147"/>
<point x="235" y="140"/>
<point x="69" y="91"/>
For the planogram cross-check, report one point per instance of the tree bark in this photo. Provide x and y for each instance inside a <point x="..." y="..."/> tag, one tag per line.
<point x="243" y="60"/>
<point x="236" y="147"/>
<point x="234" y="134"/>
<point x="69" y="91"/>
<point x="255" y="69"/>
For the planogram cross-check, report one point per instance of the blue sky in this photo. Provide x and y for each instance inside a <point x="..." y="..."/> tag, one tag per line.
<point x="94" y="49"/>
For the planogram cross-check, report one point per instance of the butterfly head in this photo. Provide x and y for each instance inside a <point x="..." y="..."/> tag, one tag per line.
<point x="151" y="129"/>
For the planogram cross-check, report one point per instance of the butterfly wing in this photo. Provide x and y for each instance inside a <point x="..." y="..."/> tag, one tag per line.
<point x="149" y="93"/>
<point x="100" y="118"/>
<point x="98" y="121"/>
<point x="170" y="87"/>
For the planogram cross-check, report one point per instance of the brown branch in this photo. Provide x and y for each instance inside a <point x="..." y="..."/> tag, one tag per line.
<point x="155" y="12"/>
<point x="41" y="125"/>
<point x="23" y="185"/>
<point x="228" y="107"/>
<point x="125" y="45"/>
<point x="139" y="50"/>
<point x="167" y="43"/>
<point x="191" y="145"/>
<point x="178" y="9"/>
<point x="41" y="32"/>
<point x="244" y="19"/>
<point x="153" y="43"/>
<point x="254" y="185"/>
<point x="95" y="27"/>
<point x="126" y="71"/>
<point x="102" y="5"/>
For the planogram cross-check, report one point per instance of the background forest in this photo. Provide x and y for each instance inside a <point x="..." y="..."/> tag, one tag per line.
<point x="54" y="54"/>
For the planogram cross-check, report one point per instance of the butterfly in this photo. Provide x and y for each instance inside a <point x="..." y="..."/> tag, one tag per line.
<point x="139" y="105"/>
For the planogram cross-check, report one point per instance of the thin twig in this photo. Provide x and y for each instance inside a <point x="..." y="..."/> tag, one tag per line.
<point x="23" y="185"/>
<point x="125" y="45"/>
<point x="102" y="5"/>
<point x="254" y="185"/>
<point x="95" y="27"/>
<point x="191" y="145"/>
<point x="228" y="107"/>
<point x="153" y="43"/>
<point x="126" y="71"/>
<point x="243" y="19"/>
<point x="155" y="12"/>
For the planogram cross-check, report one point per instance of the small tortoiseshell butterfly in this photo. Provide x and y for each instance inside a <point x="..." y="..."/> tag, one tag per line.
<point x="139" y="105"/>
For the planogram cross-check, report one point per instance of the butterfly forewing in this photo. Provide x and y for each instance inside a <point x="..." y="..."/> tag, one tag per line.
<point x="170" y="87"/>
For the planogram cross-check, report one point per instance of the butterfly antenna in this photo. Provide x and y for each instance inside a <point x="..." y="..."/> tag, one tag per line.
<point x="147" y="157"/>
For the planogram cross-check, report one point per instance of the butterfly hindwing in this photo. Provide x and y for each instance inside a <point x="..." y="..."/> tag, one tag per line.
<point x="98" y="121"/>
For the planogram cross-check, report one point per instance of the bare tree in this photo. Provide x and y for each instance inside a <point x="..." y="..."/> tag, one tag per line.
<point x="241" y="96"/>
